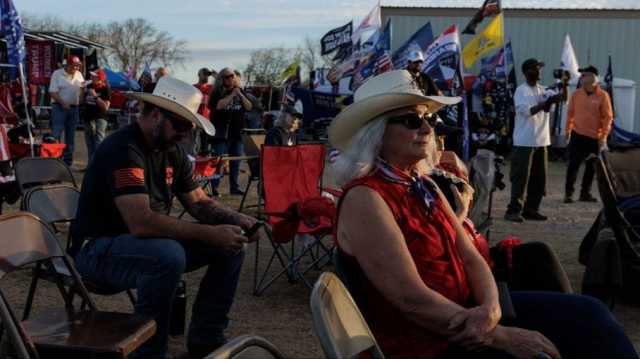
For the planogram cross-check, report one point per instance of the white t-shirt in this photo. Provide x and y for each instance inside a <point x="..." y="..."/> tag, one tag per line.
<point x="531" y="130"/>
<point x="67" y="86"/>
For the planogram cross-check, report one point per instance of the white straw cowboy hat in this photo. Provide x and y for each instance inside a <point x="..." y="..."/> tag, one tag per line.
<point x="380" y="94"/>
<point x="179" y="98"/>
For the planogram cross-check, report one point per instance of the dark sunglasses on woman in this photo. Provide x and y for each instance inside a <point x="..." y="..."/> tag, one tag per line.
<point x="414" y="121"/>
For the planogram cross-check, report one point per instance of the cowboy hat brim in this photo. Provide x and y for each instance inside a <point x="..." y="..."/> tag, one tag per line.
<point x="352" y="118"/>
<point x="176" y="108"/>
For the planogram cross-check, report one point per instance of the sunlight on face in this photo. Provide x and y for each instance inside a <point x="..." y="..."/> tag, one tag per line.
<point x="403" y="145"/>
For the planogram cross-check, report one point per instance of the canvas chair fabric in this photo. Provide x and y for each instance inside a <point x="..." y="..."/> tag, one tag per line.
<point x="34" y="171"/>
<point x="338" y="323"/>
<point x="247" y="347"/>
<point x="291" y="176"/>
<point x="57" y="332"/>
<point x="624" y="171"/>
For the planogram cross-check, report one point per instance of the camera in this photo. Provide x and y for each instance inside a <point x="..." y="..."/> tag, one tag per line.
<point x="559" y="74"/>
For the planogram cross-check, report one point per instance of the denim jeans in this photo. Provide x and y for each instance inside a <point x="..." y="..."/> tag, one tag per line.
<point x="154" y="267"/>
<point x="580" y="326"/>
<point x="231" y="148"/>
<point x="65" y="120"/>
<point x="94" y="132"/>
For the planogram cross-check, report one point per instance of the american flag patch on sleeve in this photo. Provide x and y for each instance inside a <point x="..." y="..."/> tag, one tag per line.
<point x="129" y="177"/>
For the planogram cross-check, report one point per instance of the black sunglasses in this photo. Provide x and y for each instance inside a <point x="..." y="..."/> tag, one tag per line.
<point x="178" y="124"/>
<point x="413" y="121"/>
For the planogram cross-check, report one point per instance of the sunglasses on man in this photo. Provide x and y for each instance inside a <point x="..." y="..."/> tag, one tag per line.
<point x="414" y="121"/>
<point x="179" y="124"/>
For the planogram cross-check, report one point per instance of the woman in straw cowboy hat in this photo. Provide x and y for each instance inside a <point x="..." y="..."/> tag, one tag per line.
<point x="422" y="286"/>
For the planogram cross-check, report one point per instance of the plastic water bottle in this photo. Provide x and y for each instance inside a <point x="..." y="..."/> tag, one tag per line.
<point x="177" y="322"/>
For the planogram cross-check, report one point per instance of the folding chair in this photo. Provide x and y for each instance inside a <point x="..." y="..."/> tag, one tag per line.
<point x="338" y="323"/>
<point x="252" y="141"/>
<point x="247" y="347"/>
<point x="55" y="204"/>
<point x="36" y="171"/>
<point x="62" y="332"/>
<point x="204" y="170"/>
<point x="291" y="179"/>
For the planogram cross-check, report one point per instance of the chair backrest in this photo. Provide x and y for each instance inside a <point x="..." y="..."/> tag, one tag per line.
<point x="247" y="347"/>
<point x="290" y="174"/>
<point x="624" y="171"/>
<point x="34" y="171"/>
<point x="52" y="203"/>
<point x="338" y="323"/>
<point x="252" y="140"/>
<point x="612" y="213"/>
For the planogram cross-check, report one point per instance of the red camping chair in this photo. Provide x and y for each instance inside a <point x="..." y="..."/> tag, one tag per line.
<point x="204" y="170"/>
<point x="293" y="205"/>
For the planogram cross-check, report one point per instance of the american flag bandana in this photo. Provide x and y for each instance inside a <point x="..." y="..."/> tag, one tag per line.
<point x="420" y="185"/>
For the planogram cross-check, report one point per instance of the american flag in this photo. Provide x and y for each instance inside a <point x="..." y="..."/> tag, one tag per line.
<point x="146" y="78"/>
<point x="11" y="30"/>
<point x="384" y="63"/>
<point x="129" y="177"/>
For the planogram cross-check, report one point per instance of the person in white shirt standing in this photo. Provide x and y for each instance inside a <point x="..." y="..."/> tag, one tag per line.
<point x="531" y="136"/>
<point x="65" y="89"/>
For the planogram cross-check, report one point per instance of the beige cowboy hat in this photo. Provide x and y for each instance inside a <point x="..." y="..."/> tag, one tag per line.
<point x="179" y="98"/>
<point x="380" y="94"/>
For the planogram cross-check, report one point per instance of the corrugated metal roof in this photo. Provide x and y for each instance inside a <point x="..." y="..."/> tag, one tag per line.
<point x="520" y="4"/>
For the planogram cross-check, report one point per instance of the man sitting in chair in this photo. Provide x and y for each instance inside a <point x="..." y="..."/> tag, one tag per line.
<point x="123" y="238"/>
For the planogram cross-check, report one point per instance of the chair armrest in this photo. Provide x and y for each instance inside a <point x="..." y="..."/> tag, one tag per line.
<point x="504" y="297"/>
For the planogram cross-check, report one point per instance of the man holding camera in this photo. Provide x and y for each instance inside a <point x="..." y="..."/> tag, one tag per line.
<point x="228" y="104"/>
<point x="531" y="136"/>
<point x="589" y="119"/>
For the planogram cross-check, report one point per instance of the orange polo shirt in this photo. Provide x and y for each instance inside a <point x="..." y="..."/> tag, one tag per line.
<point x="590" y="115"/>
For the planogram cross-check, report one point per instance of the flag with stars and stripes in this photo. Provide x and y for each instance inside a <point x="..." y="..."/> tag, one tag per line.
<point x="12" y="33"/>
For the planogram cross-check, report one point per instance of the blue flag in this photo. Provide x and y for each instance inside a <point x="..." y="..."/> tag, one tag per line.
<point x="376" y="61"/>
<point x="497" y="65"/>
<point x="12" y="32"/>
<point x="420" y="40"/>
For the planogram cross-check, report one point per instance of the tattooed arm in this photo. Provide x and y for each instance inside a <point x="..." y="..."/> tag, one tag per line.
<point x="209" y="211"/>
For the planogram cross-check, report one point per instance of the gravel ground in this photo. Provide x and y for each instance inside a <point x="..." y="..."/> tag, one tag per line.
<point x="282" y="313"/>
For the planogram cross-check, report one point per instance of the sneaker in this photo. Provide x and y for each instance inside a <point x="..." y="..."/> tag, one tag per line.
<point x="215" y="193"/>
<point x="534" y="216"/>
<point x="513" y="217"/>
<point x="587" y="198"/>
<point x="568" y="199"/>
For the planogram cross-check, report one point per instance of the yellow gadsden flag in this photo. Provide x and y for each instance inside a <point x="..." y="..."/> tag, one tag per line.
<point x="492" y="37"/>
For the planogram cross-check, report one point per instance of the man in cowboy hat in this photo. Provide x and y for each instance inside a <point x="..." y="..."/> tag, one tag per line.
<point x="65" y="88"/>
<point x="123" y="237"/>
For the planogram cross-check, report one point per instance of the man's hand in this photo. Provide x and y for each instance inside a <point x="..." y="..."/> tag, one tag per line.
<point x="567" y="137"/>
<point x="236" y="92"/>
<point x="463" y="200"/>
<point x="92" y="92"/>
<point x="601" y="143"/>
<point x="246" y="222"/>
<point x="228" y="238"/>
<point x="477" y="325"/>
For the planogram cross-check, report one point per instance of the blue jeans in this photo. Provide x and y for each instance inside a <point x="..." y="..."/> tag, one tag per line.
<point x="65" y="120"/>
<point x="154" y="267"/>
<point x="580" y="326"/>
<point x="94" y="132"/>
<point x="231" y="148"/>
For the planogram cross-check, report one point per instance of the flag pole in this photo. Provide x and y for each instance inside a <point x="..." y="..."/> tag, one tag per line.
<point x="23" y="84"/>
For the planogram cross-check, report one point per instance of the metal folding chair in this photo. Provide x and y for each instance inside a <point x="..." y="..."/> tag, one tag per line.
<point x="252" y="141"/>
<point x="291" y="178"/>
<point x="37" y="171"/>
<point x="61" y="332"/>
<point x="247" y="347"/>
<point x="338" y="323"/>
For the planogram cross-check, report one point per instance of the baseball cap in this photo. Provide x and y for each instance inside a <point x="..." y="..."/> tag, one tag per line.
<point x="73" y="60"/>
<point x="415" y="55"/>
<point x="591" y="69"/>
<point x="100" y="74"/>
<point x="531" y="63"/>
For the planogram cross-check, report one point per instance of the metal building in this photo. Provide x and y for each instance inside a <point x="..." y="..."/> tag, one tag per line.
<point x="598" y="28"/>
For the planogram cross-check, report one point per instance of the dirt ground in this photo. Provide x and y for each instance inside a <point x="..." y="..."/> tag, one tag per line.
<point x="282" y="313"/>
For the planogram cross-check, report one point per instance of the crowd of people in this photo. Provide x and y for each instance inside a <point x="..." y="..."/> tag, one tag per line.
<point x="423" y="277"/>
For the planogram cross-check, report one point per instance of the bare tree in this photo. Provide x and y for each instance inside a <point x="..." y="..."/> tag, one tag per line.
<point x="266" y="65"/>
<point x="132" y="42"/>
<point x="310" y="55"/>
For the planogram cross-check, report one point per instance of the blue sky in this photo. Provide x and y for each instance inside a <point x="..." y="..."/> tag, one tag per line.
<point x="220" y="32"/>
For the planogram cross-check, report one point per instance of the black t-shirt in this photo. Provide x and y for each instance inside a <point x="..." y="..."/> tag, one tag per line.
<point x="91" y="109"/>
<point x="427" y="85"/>
<point x="123" y="165"/>
<point x="229" y="121"/>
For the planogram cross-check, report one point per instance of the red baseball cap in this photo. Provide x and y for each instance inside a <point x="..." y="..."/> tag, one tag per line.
<point x="73" y="60"/>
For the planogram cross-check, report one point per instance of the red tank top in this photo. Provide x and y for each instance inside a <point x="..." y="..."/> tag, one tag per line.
<point x="430" y="238"/>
